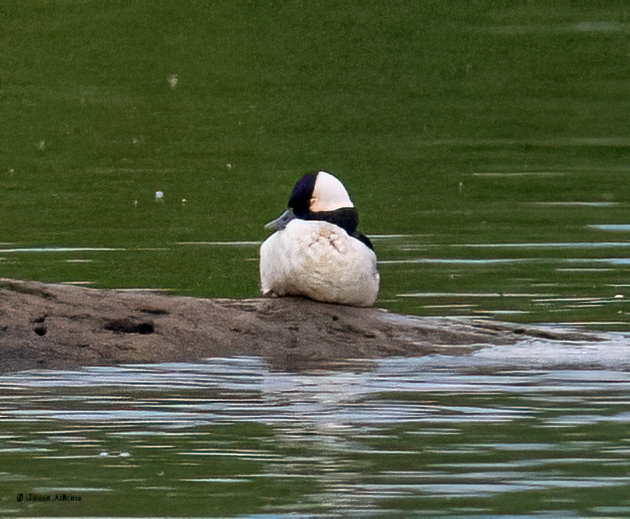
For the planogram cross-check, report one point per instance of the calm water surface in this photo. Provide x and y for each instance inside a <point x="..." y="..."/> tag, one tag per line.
<point x="486" y="146"/>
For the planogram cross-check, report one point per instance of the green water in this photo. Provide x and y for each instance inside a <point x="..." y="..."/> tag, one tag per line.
<point x="486" y="146"/>
<point x="459" y="437"/>
<point x="450" y="123"/>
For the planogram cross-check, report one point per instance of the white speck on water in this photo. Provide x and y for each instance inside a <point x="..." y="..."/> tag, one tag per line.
<point x="173" y="79"/>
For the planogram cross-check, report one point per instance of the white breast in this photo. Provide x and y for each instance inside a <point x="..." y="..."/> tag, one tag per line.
<point x="319" y="260"/>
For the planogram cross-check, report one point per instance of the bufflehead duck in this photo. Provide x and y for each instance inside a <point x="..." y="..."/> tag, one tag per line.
<point x="317" y="250"/>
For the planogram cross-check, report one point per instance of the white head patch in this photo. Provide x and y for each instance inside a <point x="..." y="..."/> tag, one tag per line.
<point x="329" y="194"/>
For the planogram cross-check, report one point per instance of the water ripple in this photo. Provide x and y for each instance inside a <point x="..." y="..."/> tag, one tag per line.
<point x="365" y="439"/>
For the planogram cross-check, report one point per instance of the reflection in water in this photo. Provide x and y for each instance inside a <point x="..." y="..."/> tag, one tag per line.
<point x="58" y="249"/>
<point x="578" y="282"/>
<point x="389" y="436"/>
<point x="581" y="282"/>
<point x="612" y="227"/>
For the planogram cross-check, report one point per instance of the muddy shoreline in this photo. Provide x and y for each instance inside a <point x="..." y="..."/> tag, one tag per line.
<point x="56" y="326"/>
